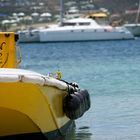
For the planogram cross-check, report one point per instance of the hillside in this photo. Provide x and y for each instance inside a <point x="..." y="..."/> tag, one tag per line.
<point x="11" y="9"/>
<point x="116" y="6"/>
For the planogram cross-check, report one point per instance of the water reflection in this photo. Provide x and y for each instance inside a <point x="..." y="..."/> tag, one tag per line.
<point x="81" y="133"/>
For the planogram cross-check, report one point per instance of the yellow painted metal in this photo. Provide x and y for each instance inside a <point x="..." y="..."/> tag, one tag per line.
<point x="29" y="108"/>
<point x="14" y="122"/>
<point x="7" y="50"/>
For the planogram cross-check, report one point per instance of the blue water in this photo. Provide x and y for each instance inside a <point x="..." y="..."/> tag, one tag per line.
<point x="110" y="70"/>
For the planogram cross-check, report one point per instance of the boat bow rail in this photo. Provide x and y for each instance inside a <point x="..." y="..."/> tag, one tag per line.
<point x="26" y="76"/>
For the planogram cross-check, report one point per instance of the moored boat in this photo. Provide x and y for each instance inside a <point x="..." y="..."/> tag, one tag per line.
<point x="29" y="36"/>
<point x="83" y="29"/>
<point x="133" y="28"/>
<point x="32" y="105"/>
<point x="77" y="29"/>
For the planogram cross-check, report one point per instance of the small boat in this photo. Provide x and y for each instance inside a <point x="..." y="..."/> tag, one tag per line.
<point x="134" y="28"/>
<point x="32" y="105"/>
<point x="29" y="35"/>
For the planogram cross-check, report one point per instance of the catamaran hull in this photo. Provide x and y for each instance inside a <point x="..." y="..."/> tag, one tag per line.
<point x="133" y="28"/>
<point x="28" y="36"/>
<point x="83" y="35"/>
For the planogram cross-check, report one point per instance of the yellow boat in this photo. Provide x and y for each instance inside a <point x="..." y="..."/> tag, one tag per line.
<point x="33" y="105"/>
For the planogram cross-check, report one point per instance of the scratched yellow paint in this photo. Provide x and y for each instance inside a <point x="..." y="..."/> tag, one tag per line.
<point x="7" y="50"/>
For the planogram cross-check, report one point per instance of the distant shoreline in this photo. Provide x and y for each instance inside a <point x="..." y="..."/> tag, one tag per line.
<point x="31" y="26"/>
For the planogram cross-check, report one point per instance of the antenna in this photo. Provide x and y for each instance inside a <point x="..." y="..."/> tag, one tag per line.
<point x="61" y="12"/>
<point x="138" y="13"/>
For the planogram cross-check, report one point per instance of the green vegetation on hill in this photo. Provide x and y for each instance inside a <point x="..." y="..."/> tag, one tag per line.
<point x="116" y="6"/>
<point x="12" y="10"/>
<point x="28" y="6"/>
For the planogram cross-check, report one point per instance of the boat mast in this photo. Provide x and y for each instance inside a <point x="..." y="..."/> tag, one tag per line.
<point x="61" y="12"/>
<point x="138" y="13"/>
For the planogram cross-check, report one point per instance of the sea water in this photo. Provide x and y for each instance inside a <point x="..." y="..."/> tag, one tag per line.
<point x="109" y="70"/>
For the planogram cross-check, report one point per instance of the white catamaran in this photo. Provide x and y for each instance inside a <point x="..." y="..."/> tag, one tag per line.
<point x="76" y="29"/>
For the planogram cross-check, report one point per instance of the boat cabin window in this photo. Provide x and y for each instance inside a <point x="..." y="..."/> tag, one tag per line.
<point x="86" y="23"/>
<point x="69" y="24"/>
<point x="74" y="24"/>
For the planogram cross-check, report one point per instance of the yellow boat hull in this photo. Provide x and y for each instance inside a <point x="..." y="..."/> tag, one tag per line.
<point x="30" y="109"/>
<point x="32" y="105"/>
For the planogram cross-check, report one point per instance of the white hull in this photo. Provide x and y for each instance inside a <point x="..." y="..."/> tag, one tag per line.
<point x="133" y="28"/>
<point x="29" y="36"/>
<point x="83" y="34"/>
<point x="78" y="29"/>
